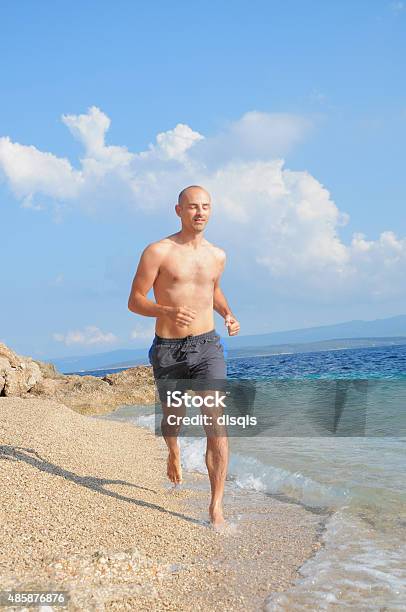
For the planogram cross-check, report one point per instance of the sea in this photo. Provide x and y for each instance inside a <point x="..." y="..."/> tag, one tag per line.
<point x="359" y="480"/>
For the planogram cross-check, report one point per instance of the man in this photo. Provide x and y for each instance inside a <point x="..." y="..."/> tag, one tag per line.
<point x="184" y="270"/>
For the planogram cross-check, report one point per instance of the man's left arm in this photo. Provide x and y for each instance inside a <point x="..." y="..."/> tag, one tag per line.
<point x="220" y="303"/>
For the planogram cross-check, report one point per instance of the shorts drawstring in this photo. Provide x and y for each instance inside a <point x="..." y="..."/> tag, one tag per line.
<point x="187" y="344"/>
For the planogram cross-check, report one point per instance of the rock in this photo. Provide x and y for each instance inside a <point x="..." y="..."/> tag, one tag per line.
<point x="3" y="364"/>
<point x="18" y="374"/>
<point x="48" y="369"/>
<point x="132" y="378"/>
<point x="12" y="357"/>
<point x="96" y="395"/>
<point x="26" y="377"/>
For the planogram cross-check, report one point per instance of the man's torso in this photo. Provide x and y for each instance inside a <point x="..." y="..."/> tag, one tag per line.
<point x="186" y="277"/>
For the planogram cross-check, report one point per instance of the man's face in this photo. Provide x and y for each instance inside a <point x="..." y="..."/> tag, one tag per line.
<point x="194" y="210"/>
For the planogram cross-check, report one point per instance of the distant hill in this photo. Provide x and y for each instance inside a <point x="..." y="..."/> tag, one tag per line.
<point x="308" y="347"/>
<point x="379" y="328"/>
<point x="351" y="334"/>
<point x="109" y="359"/>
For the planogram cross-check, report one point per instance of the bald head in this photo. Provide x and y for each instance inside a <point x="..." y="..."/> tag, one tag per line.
<point x="194" y="208"/>
<point x="188" y="194"/>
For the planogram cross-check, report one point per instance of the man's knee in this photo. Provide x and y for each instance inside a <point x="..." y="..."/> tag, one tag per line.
<point x="168" y="428"/>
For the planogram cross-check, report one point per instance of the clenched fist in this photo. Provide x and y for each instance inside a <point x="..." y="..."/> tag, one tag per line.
<point x="232" y="325"/>
<point x="182" y="315"/>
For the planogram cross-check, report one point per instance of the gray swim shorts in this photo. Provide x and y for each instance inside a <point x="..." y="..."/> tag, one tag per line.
<point x="198" y="357"/>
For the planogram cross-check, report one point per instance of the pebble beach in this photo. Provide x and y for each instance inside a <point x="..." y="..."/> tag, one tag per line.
<point x="86" y="508"/>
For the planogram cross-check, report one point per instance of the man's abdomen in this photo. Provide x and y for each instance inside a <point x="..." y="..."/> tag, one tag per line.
<point x="202" y="323"/>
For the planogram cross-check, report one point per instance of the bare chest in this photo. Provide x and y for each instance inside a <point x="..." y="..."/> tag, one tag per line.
<point x="201" y="268"/>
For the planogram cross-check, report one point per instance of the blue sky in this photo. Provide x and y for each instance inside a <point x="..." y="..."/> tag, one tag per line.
<point x="292" y="113"/>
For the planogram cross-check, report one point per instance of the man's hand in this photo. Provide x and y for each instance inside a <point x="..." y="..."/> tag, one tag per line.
<point x="182" y="315"/>
<point x="232" y="325"/>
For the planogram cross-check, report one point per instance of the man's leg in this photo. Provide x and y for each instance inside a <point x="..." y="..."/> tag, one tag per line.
<point x="168" y="370"/>
<point x="209" y="369"/>
<point x="170" y="432"/>
<point x="217" y="463"/>
<point x="216" y="459"/>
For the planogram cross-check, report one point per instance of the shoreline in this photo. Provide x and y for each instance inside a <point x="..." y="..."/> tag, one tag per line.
<point x="87" y="508"/>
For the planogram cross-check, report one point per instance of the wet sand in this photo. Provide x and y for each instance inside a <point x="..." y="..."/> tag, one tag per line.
<point x="86" y="508"/>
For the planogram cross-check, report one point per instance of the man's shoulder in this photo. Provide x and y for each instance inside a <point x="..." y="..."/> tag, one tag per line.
<point x="218" y="252"/>
<point x="159" y="246"/>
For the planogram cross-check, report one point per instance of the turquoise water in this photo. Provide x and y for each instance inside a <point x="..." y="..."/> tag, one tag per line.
<point x="362" y="565"/>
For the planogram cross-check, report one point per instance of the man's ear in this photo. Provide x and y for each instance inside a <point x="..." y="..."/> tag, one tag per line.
<point x="177" y="209"/>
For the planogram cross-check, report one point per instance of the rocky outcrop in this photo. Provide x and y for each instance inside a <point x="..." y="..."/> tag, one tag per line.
<point x="48" y="370"/>
<point x="18" y="374"/>
<point x="25" y="377"/>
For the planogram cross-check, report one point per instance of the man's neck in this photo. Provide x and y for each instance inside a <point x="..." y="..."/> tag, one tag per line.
<point x="190" y="238"/>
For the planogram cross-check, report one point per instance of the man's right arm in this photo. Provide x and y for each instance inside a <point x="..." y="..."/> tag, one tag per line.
<point x="147" y="271"/>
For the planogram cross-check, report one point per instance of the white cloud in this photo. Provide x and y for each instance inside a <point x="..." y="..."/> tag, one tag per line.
<point x="254" y="136"/>
<point x="173" y="144"/>
<point x="30" y="171"/>
<point x="112" y="173"/>
<point x="288" y="222"/>
<point x="284" y="221"/>
<point x="290" y="214"/>
<point x="90" y="129"/>
<point x="88" y="336"/>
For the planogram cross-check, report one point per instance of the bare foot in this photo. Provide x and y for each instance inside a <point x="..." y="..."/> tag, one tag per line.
<point x="216" y="516"/>
<point x="174" y="470"/>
